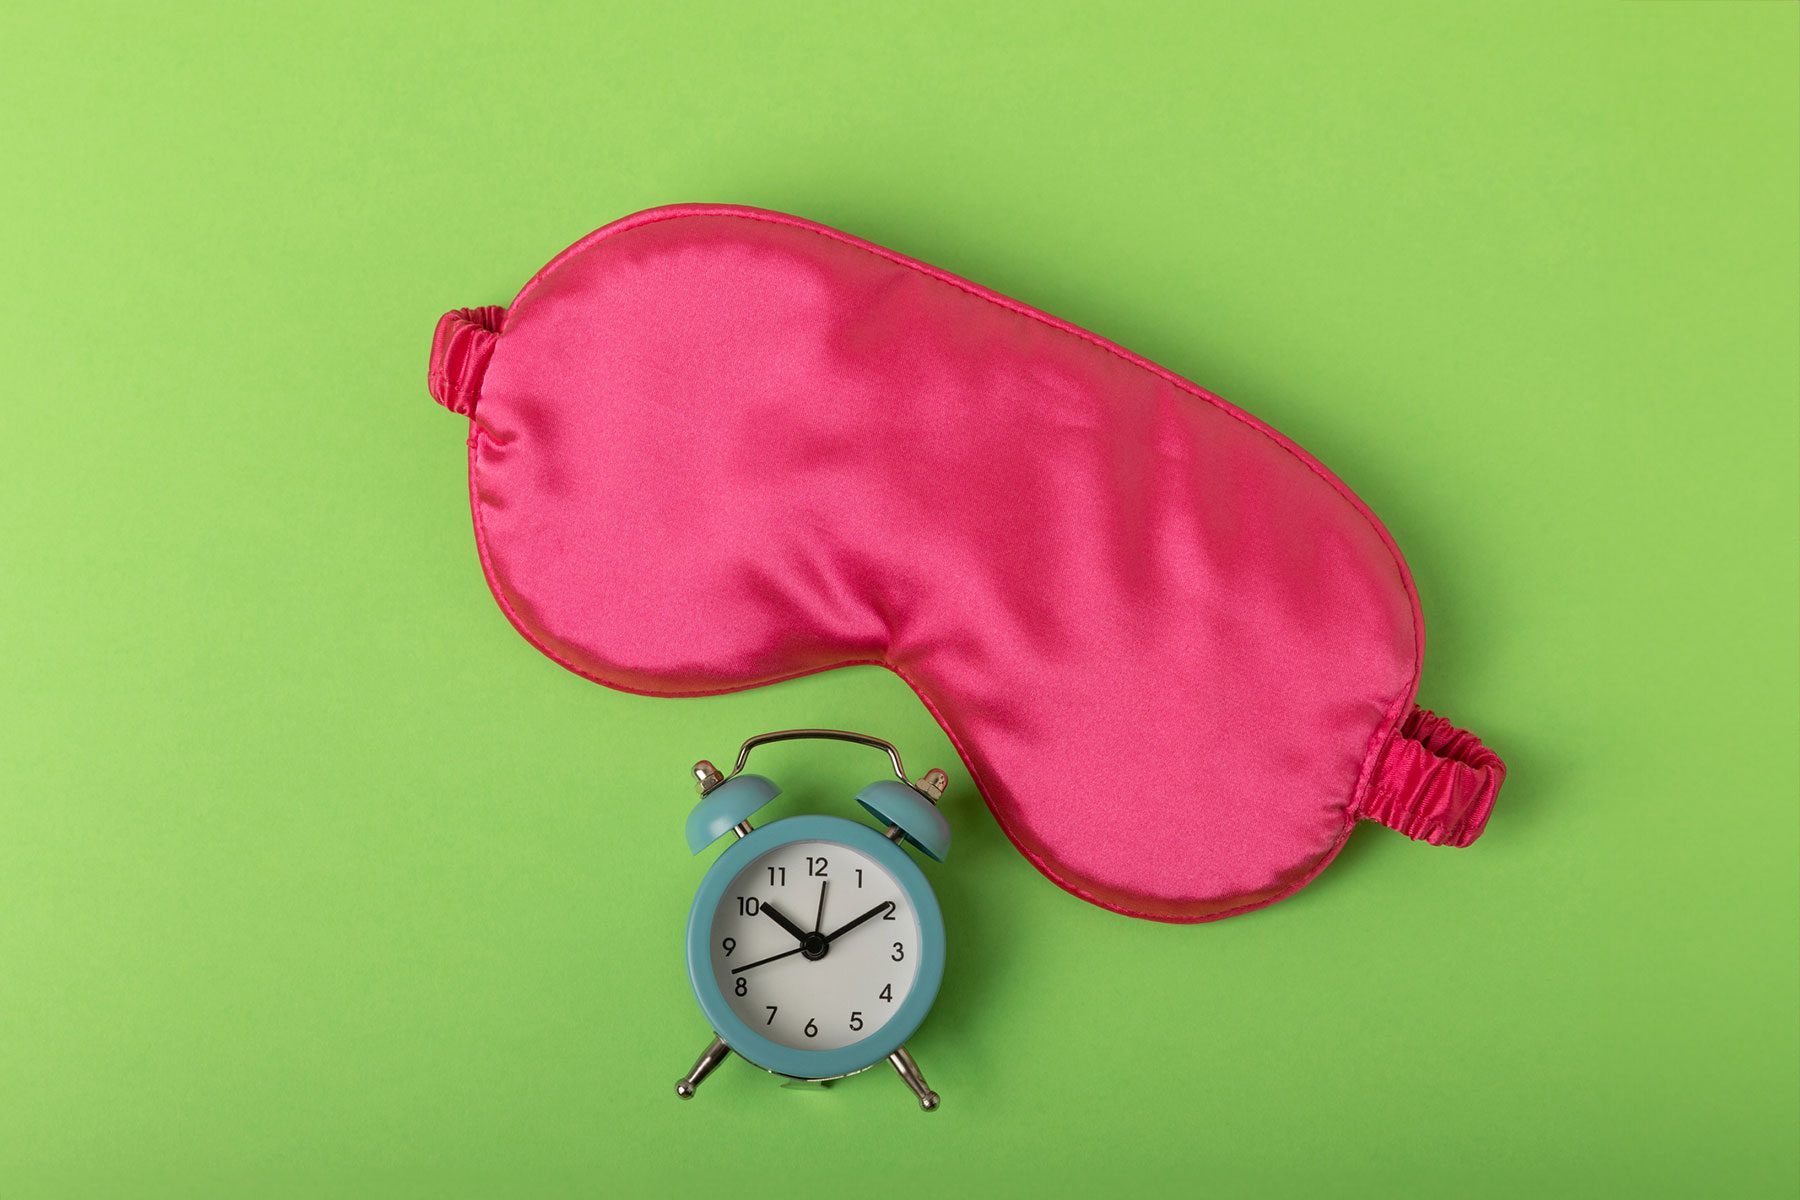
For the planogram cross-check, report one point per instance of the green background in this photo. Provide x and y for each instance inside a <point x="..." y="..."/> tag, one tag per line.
<point x="315" y="879"/>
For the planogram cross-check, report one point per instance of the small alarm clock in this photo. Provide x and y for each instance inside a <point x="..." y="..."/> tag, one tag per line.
<point x="815" y="946"/>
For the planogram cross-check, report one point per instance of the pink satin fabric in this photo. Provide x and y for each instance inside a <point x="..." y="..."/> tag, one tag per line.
<point x="715" y="447"/>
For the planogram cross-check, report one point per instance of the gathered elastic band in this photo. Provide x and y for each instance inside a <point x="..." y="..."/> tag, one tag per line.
<point x="460" y="349"/>
<point x="1434" y="783"/>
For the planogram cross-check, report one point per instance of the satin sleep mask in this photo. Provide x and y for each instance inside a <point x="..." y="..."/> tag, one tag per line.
<point x="712" y="448"/>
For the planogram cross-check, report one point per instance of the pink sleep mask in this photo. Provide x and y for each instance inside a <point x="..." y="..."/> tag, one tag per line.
<point x="713" y="447"/>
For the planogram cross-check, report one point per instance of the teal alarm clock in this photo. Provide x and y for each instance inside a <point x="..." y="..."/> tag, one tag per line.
<point x="815" y="944"/>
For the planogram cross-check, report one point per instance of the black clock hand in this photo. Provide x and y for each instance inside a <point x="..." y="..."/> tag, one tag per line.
<point x="841" y="930"/>
<point x="759" y="962"/>
<point x="819" y="921"/>
<point x="768" y="910"/>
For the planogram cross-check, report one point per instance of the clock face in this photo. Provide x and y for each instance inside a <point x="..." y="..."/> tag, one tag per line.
<point x="814" y="945"/>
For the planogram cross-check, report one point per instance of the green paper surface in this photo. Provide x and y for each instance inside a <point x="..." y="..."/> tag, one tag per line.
<point x="317" y="880"/>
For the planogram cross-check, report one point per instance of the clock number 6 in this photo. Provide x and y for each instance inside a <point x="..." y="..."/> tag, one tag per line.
<point x="812" y="1028"/>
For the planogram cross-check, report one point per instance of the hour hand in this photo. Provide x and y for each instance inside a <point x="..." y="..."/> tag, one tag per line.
<point x="769" y="911"/>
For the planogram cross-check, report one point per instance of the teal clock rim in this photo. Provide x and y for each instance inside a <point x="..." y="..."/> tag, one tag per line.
<point x="772" y="1055"/>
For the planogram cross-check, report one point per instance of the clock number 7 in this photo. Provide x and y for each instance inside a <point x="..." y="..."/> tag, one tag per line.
<point x="772" y="1011"/>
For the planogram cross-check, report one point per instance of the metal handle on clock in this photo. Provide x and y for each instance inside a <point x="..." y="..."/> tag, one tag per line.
<point x="826" y="735"/>
<point x="931" y="785"/>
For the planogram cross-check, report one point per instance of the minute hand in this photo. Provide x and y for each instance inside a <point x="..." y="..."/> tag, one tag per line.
<point x="841" y="930"/>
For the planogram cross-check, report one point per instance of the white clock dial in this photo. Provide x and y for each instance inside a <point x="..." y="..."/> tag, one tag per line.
<point x="815" y="945"/>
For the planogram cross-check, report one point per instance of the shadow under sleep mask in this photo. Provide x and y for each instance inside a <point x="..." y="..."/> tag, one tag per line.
<point x="713" y="447"/>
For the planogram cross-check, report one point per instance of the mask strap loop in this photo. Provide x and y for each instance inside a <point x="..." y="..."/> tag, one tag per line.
<point x="1434" y="782"/>
<point x="460" y="350"/>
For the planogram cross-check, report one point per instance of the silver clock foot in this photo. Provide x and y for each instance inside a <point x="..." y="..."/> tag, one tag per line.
<point x="711" y="1057"/>
<point x="909" y="1072"/>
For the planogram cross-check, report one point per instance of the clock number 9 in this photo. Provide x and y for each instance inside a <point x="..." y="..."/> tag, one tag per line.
<point x="728" y="945"/>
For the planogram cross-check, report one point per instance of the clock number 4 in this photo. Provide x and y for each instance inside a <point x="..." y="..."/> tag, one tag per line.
<point x="887" y="993"/>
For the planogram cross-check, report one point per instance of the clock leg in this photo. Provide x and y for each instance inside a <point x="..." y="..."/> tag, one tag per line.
<point x="909" y="1072"/>
<point x="711" y="1057"/>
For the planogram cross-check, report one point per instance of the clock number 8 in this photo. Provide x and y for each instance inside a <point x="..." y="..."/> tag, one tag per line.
<point x="743" y="986"/>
